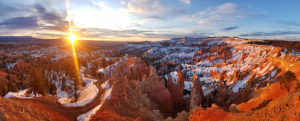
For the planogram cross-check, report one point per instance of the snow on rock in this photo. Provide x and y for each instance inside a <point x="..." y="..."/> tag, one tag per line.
<point x="21" y="94"/>
<point x="188" y="85"/>
<point x="63" y="97"/>
<point x="187" y="96"/>
<point x="273" y="73"/>
<point x="89" y="92"/>
<point x="174" y="76"/>
<point x="106" y="95"/>
<point x="87" y="116"/>
<point x="241" y="84"/>
<point x="10" y="65"/>
<point x="214" y="43"/>
<point x="105" y="85"/>
<point x="204" y="63"/>
<point x="108" y="69"/>
<point x="206" y="91"/>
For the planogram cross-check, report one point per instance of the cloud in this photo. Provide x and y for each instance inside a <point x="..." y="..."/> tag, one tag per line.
<point x="9" y="10"/>
<point x="4" y="9"/>
<point x="136" y="33"/>
<point x="36" y="19"/>
<point x="289" y="23"/>
<point x="230" y="28"/>
<point x="276" y="33"/>
<point x="168" y="13"/>
<point x="154" y="17"/>
<point x="185" y="1"/>
<point x="222" y="14"/>
<point x="20" y="22"/>
<point x="101" y="32"/>
<point x="51" y="20"/>
<point x="144" y="6"/>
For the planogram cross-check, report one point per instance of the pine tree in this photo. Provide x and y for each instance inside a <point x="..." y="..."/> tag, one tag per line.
<point x="63" y="83"/>
<point x="37" y="82"/>
<point x="52" y="88"/>
<point x="104" y="63"/>
<point x="3" y="88"/>
<point x="76" y="87"/>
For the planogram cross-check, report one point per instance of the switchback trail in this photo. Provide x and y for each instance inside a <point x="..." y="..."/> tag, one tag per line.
<point x="70" y="113"/>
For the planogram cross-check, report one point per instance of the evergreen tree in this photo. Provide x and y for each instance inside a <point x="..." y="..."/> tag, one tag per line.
<point x="63" y="83"/>
<point x="104" y="63"/>
<point x="37" y="82"/>
<point x="52" y="88"/>
<point x="76" y="87"/>
<point x="3" y="88"/>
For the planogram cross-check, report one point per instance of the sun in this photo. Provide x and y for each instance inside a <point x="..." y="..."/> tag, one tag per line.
<point x="72" y="37"/>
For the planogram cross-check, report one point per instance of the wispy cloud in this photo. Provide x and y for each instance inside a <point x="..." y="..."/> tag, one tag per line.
<point x="36" y="19"/>
<point x="275" y="33"/>
<point x="144" y="6"/>
<point x="289" y="23"/>
<point x="224" y="13"/>
<point x="185" y="1"/>
<point x="12" y="11"/>
<point x="230" y="28"/>
<point x="20" y="22"/>
<point x="136" y="33"/>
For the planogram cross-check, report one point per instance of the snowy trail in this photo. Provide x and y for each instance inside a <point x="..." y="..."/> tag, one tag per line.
<point x="106" y="95"/>
<point x="70" y="112"/>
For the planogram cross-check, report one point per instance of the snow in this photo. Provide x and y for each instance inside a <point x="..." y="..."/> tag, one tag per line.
<point x="263" y="77"/>
<point x="184" y="56"/>
<point x="100" y="70"/>
<point x="177" y="57"/>
<point x="204" y="63"/>
<point x="106" y="95"/>
<point x="187" y="96"/>
<point x="273" y="73"/>
<point x="105" y="85"/>
<point x="36" y="55"/>
<point x="108" y="69"/>
<point x="10" y="65"/>
<point x="241" y="84"/>
<point x="174" y="76"/>
<point x="21" y="94"/>
<point x="87" y="116"/>
<point x="188" y="85"/>
<point x="214" y="43"/>
<point x="63" y="97"/>
<point x="89" y="92"/>
<point x="265" y="68"/>
<point x="206" y="91"/>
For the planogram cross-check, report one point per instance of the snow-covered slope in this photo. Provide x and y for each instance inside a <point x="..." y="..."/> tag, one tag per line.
<point x="226" y="61"/>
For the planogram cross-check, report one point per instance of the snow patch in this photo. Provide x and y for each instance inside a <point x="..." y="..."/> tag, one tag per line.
<point x="86" y="96"/>
<point x="241" y="84"/>
<point x="21" y="94"/>
<point x="273" y="73"/>
<point x="106" y="95"/>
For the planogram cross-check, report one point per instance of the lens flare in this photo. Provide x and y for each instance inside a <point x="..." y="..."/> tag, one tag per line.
<point x="72" y="39"/>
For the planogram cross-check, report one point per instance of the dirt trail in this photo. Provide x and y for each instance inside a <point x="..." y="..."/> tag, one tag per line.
<point x="70" y="113"/>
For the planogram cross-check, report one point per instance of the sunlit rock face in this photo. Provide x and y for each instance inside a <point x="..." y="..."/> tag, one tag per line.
<point x="275" y="101"/>
<point x="145" y="99"/>
<point x="213" y="78"/>
<point x="230" y="71"/>
<point x="197" y="96"/>
<point x="176" y="91"/>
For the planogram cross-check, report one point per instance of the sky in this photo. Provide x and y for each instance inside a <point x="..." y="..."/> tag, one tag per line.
<point x="151" y="20"/>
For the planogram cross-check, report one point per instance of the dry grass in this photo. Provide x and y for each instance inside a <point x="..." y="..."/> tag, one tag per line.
<point x="18" y="111"/>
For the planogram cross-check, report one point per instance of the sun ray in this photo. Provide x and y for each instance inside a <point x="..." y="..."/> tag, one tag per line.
<point x="72" y="38"/>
